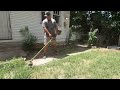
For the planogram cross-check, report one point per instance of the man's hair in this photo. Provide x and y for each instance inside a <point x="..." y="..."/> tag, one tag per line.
<point x="47" y="13"/>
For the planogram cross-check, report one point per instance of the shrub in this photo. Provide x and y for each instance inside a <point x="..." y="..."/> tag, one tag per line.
<point x="29" y="40"/>
<point x="92" y="38"/>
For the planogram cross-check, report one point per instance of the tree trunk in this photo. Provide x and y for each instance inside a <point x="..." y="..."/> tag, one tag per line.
<point x="119" y="41"/>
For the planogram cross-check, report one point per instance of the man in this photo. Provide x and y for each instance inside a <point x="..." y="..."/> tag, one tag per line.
<point x="50" y="31"/>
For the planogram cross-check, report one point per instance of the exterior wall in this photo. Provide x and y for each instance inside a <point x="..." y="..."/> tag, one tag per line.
<point x="32" y="19"/>
<point x="67" y="22"/>
<point x="25" y="18"/>
<point x="5" y="32"/>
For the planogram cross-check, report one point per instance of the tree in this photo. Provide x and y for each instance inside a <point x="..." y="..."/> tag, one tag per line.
<point x="79" y="22"/>
<point x="107" y="23"/>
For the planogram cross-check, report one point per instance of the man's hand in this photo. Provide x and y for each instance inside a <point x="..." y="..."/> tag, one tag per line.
<point x="50" y="35"/>
<point x="46" y="30"/>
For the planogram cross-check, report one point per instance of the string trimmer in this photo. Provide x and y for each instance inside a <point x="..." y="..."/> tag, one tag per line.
<point x="30" y="64"/>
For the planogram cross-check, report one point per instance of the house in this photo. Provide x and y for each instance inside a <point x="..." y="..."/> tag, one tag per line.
<point x="12" y="21"/>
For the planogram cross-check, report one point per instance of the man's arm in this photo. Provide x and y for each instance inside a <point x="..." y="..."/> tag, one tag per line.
<point x="45" y="29"/>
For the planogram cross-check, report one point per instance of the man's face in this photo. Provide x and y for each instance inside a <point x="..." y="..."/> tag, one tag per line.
<point x="48" y="17"/>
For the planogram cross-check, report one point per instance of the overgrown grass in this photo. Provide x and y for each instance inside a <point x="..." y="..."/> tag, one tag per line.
<point x="90" y="64"/>
<point x="14" y="69"/>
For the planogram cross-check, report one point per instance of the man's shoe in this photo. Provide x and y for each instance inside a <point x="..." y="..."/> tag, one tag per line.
<point x="44" y="57"/>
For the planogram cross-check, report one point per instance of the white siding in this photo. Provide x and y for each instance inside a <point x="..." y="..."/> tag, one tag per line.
<point x="61" y="27"/>
<point x="4" y="25"/>
<point x="26" y="18"/>
<point x="32" y="19"/>
<point x="65" y="30"/>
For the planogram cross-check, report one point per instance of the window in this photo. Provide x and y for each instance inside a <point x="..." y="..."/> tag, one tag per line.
<point x="42" y="15"/>
<point x="56" y="16"/>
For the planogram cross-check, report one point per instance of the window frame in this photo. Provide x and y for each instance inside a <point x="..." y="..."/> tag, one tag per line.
<point x="42" y="15"/>
<point x="57" y="14"/>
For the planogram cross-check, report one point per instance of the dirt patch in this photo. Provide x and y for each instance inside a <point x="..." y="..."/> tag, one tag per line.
<point x="8" y="51"/>
<point x="63" y="51"/>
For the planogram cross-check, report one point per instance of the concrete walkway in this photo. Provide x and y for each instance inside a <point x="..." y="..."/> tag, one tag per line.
<point x="114" y="47"/>
<point x="37" y="62"/>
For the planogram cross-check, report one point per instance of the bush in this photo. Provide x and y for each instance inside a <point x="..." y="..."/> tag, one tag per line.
<point x="29" y="39"/>
<point x="92" y="38"/>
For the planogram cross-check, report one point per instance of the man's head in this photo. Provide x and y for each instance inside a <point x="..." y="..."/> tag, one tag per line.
<point x="48" y="15"/>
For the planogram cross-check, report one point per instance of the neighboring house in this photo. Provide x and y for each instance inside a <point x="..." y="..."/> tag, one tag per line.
<point x="12" y="21"/>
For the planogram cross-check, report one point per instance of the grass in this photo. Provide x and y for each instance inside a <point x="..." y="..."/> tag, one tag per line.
<point x="14" y="69"/>
<point x="90" y="64"/>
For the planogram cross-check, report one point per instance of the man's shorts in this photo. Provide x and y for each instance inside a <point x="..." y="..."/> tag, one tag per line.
<point x="47" y="39"/>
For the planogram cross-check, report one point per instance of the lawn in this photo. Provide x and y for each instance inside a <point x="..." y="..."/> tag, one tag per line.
<point x="89" y="64"/>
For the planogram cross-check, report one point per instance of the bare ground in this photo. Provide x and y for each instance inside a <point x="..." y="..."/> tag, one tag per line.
<point x="63" y="51"/>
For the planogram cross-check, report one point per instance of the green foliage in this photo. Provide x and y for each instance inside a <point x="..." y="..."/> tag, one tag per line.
<point x="79" y="22"/>
<point x="24" y="31"/>
<point x="29" y="39"/>
<point x="107" y="22"/>
<point x="92" y="38"/>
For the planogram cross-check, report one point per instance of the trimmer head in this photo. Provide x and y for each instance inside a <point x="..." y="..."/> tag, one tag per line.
<point x="30" y="63"/>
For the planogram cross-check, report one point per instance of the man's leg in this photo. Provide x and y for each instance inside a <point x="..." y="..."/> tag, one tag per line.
<point x="45" y="50"/>
<point x="54" y="45"/>
<point x="46" y="40"/>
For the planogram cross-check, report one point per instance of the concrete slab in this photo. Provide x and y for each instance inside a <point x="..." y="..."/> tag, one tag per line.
<point x="37" y="62"/>
<point x="114" y="47"/>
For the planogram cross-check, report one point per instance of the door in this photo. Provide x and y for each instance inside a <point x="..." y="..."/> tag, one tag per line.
<point x="5" y="31"/>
